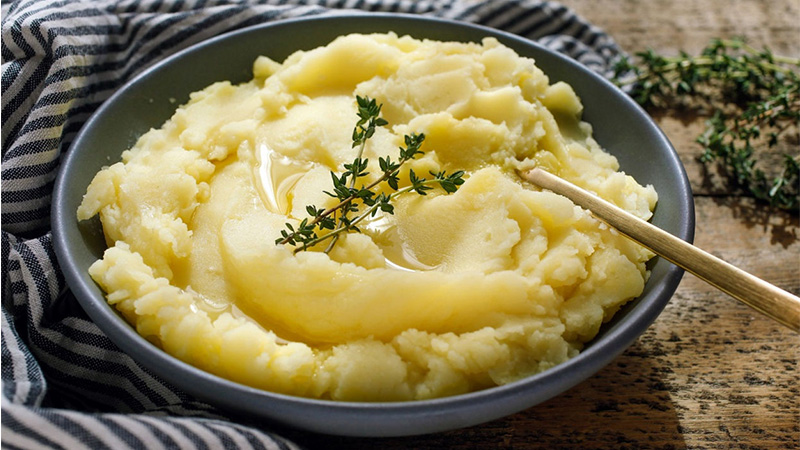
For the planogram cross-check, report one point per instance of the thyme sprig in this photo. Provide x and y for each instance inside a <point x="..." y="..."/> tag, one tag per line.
<point x="368" y="120"/>
<point x="751" y="98"/>
<point x="359" y="203"/>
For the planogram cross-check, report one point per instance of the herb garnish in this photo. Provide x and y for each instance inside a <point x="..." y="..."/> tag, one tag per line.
<point x="344" y="216"/>
<point x="752" y="98"/>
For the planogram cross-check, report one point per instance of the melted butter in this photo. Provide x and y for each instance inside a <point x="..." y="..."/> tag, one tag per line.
<point x="276" y="177"/>
<point x="396" y="252"/>
<point x="214" y="308"/>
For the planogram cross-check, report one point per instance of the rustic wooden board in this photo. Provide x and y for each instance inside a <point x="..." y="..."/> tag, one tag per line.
<point x="709" y="373"/>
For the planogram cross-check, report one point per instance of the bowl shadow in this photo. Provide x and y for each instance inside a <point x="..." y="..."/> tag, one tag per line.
<point x="627" y="403"/>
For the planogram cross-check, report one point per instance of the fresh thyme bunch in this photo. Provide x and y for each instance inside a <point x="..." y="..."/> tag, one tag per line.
<point x="345" y="216"/>
<point x="752" y="98"/>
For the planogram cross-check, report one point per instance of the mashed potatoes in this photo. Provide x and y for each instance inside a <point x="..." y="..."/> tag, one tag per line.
<point x="452" y="293"/>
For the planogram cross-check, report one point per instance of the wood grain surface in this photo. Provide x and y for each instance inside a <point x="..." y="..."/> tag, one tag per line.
<point x="710" y="372"/>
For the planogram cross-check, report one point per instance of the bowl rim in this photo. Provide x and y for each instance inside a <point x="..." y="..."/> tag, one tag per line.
<point x="502" y="400"/>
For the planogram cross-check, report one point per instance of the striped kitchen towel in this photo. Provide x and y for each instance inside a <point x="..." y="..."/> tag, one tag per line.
<point x="65" y="385"/>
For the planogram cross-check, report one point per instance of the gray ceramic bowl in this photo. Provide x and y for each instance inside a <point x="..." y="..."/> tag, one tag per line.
<point x="620" y="125"/>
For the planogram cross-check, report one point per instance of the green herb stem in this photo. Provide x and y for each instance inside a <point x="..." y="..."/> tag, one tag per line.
<point x="309" y="230"/>
<point x="371" y="211"/>
<point x="752" y="98"/>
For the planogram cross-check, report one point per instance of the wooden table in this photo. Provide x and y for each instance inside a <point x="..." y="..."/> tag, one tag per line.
<point x="709" y="373"/>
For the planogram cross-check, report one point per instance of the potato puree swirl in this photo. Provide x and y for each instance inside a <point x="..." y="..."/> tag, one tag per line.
<point x="452" y="293"/>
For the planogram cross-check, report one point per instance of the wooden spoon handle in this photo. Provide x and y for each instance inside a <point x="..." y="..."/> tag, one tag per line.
<point x="753" y="291"/>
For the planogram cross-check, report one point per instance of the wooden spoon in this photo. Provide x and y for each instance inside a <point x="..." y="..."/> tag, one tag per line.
<point x="753" y="291"/>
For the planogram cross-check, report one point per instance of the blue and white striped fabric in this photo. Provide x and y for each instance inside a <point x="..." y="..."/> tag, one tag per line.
<point x="65" y="385"/>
